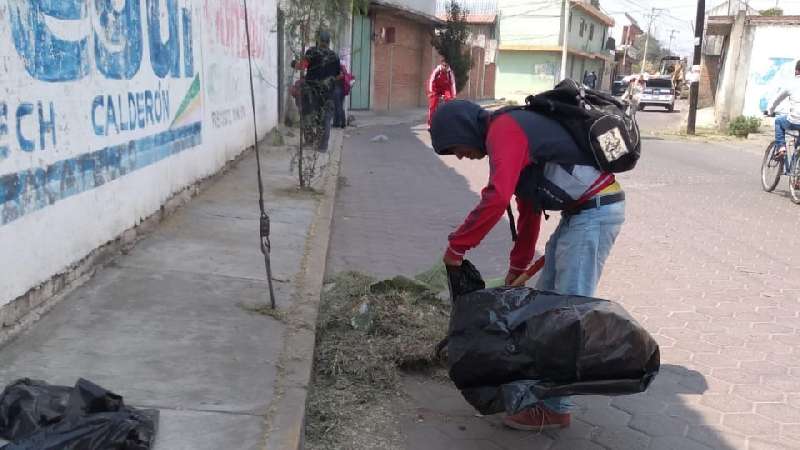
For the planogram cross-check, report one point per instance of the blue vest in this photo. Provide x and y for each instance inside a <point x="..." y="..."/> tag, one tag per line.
<point x="560" y="172"/>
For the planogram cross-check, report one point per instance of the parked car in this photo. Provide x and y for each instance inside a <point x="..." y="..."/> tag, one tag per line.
<point x="619" y="87"/>
<point x="658" y="92"/>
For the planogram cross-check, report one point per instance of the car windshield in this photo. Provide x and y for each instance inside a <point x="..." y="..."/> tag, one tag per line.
<point x="659" y="84"/>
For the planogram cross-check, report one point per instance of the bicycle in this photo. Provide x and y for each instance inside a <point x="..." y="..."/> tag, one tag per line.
<point x="772" y="167"/>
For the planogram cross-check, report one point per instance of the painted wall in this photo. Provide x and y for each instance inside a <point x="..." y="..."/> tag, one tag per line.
<point x="520" y="74"/>
<point x="594" y="34"/>
<point x="771" y="66"/>
<point x="427" y="7"/>
<point x="107" y="108"/>
<point x="535" y="23"/>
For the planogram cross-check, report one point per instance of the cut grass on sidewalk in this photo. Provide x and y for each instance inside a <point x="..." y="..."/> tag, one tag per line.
<point x="368" y="333"/>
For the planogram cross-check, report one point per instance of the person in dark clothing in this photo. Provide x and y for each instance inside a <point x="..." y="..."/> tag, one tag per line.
<point x="322" y="70"/>
<point x="534" y="157"/>
<point x="590" y="79"/>
<point x="340" y="92"/>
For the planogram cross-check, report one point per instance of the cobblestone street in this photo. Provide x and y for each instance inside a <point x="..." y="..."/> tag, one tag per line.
<point x="705" y="261"/>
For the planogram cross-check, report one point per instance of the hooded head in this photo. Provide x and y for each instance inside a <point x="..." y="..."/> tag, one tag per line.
<point x="458" y="126"/>
<point x="324" y="39"/>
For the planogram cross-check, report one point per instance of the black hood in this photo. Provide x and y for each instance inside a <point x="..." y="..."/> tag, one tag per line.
<point x="459" y="122"/>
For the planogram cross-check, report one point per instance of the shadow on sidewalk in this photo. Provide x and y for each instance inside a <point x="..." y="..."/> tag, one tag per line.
<point x="668" y="415"/>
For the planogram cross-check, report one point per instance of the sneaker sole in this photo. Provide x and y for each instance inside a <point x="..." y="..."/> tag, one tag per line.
<point x="521" y="427"/>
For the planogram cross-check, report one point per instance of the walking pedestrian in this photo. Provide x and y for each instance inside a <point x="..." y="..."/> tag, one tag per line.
<point x="441" y="86"/>
<point x="534" y="157"/>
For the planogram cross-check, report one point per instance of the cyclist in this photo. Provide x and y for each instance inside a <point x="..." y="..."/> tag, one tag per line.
<point x="789" y="121"/>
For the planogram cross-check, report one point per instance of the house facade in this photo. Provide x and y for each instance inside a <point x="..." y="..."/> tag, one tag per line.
<point x="530" y="46"/>
<point x="391" y="55"/>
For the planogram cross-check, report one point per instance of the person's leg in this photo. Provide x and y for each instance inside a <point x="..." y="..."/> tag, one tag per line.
<point x="781" y="122"/>
<point x="433" y="102"/>
<point x="327" y="119"/>
<point x="577" y="252"/>
<point x="584" y="246"/>
<point x="338" y="104"/>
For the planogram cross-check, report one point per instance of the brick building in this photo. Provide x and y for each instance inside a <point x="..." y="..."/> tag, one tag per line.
<point x="391" y="54"/>
<point x="482" y="18"/>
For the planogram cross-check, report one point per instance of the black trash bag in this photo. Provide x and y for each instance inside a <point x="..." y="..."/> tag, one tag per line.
<point x="38" y="416"/>
<point x="463" y="279"/>
<point x="508" y="348"/>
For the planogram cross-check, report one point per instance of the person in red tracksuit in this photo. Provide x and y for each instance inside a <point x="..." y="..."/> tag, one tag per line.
<point x="442" y="83"/>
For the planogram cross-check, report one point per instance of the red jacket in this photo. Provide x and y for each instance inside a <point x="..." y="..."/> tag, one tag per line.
<point x="442" y="80"/>
<point x="507" y="148"/>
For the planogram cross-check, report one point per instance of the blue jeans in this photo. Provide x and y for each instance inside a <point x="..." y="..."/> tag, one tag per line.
<point x="782" y="125"/>
<point x="574" y="260"/>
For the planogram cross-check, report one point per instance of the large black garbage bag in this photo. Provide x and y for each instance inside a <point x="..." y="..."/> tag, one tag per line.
<point x="38" y="416"/>
<point x="508" y="348"/>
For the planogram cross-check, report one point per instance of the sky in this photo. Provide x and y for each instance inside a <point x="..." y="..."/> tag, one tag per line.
<point x="680" y="16"/>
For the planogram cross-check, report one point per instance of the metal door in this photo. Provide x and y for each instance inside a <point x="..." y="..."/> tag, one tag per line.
<point x="361" y="62"/>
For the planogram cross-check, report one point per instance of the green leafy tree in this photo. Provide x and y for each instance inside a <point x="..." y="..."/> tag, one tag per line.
<point x="450" y="41"/>
<point x="771" y="12"/>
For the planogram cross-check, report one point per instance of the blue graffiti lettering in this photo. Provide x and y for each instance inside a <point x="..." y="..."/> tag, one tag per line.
<point x="144" y="109"/>
<point x="47" y="125"/>
<point x="111" y="115"/>
<point x="97" y="103"/>
<point x="23" y="110"/>
<point x="164" y="56"/>
<point x="148" y="106"/>
<point x="123" y="124"/>
<point x="47" y="57"/>
<point x="140" y="109"/>
<point x="3" y="130"/>
<point x="118" y="41"/>
<point x="188" y="53"/>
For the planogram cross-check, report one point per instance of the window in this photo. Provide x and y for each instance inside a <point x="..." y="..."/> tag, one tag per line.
<point x="582" y="28"/>
<point x="569" y="27"/>
<point x="591" y="32"/>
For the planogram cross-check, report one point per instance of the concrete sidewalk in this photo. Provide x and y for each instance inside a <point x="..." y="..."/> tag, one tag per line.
<point x="171" y="325"/>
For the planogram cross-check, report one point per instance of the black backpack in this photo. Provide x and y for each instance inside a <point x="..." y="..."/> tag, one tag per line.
<point x="600" y="124"/>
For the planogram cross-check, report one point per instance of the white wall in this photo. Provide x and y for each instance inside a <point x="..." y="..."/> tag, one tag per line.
<point x="422" y="6"/>
<point x="772" y="64"/>
<point x="104" y="114"/>
<point x="536" y="24"/>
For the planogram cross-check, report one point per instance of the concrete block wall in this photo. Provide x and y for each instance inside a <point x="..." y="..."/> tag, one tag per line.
<point x="110" y="108"/>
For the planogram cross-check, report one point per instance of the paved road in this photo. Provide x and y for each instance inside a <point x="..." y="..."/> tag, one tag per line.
<point x="659" y="119"/>
<point x="705" y="261"/>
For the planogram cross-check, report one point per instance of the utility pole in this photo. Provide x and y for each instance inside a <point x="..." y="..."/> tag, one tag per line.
<point x="694" y="92"/>
<point x="565" y="44"/>
<point x="647" y="38"/>
<point x="671" y="36"/>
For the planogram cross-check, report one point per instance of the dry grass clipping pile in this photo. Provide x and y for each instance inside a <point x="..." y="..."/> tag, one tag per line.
<point x="367" y="334"/>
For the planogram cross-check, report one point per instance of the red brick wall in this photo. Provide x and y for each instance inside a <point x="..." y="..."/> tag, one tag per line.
<point x="709" y="77"/>
<point x="488" y="84"/>
<point x="400" y="69"/>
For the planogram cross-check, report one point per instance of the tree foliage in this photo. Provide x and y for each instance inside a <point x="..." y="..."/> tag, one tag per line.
<point x="450" y="41"/>
<point x="771" y="12"/>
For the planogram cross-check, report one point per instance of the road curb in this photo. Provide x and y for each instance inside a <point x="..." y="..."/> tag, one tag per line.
<point x="285" y="419"/>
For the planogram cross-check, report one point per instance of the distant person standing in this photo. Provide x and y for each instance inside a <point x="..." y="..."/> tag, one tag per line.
<point x="590" y="79"/>
<point x="322" y="72"/>
<point x="343" y="85"/>
<point x="441" y="85"/>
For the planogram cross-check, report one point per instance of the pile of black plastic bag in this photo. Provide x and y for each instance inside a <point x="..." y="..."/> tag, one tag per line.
<point x="37" y="416"/>
<point x="508" y="348"/>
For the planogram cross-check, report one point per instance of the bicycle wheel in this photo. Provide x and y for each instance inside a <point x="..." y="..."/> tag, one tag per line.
<point x="771" y="169"/>
<point x="794" y="180"/>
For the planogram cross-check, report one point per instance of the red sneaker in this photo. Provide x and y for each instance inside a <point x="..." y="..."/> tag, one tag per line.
<point x="537" y="418"/>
